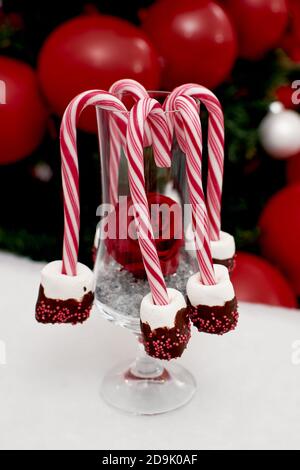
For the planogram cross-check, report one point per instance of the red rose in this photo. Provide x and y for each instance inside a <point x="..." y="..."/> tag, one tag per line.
<point x="121" y="241"/>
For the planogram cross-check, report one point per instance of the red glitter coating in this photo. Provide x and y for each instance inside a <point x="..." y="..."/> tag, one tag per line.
<point x="63" y="311"/>
<point x="168" y="343"/>
<point x="215" y="320"/>
<point x="228" y="263"/>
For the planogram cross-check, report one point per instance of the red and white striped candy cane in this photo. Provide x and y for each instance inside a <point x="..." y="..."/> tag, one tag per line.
<point x="136" y="91"/>
<point x="173" y="116"/>
<point x="69" y="167"/>
<point x="127" y="85"/>
<point x="150" y="110"/>
<point x="118" y="89"/>
<point x="191" y="127"/>
<point x="215" y="149"/>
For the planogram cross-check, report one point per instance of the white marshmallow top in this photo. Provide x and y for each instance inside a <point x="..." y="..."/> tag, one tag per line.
<point x="224" y="248"/>
<point x="60" y="286"/>
<point x="214" y="295"/>
<point x="220" y="249"/>
<point x="160" y="316"/>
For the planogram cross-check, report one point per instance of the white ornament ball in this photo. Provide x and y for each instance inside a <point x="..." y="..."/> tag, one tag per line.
<point x="280" y="132"/>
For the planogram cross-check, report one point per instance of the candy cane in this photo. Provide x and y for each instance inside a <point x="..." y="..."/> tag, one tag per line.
<point x="136" y="91"/>
<point x="215" y="149"/>
<point x="127" y="85"/>
<point x="69" y="165"/>
<point x="191" y="128"/>
<point x="146" y="109"/>
<point x="173" y="117"/>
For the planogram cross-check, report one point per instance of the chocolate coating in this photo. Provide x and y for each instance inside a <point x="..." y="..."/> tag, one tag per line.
<point x="228" y="263"/>
<point x="216" y="320"/>
<point x="168" y="343"/>
<point x="63" y="311"/>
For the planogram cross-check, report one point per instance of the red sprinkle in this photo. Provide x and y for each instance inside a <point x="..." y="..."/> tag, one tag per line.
<point x="216" y="320"/>
<point x="168" y="343"/>
<point x="63" y="311"/>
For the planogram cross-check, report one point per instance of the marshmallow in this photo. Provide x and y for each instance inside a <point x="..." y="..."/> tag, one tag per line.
<point x="165" y="328"/>
<point x="63" y="287"/>
<point x="161" y="316"/>
<point x="213" y="308"/>
<point x="63" y="298"/>
<point x="210" y="295"/>
<point x="222" y="250"/>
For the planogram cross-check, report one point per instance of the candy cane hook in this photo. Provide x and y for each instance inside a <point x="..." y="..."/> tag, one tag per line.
<point x="70" y="172"/>
<point x="222" y="243"/>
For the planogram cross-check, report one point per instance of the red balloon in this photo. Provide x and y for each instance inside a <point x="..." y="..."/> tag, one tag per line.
<point x="280" y="233"/>
<point x="291" y="40"/>
<point x="293" y="169"/>
<point x="257" y="281"/>
<point x="23" y="115"/>
<point x="92" y="52"/>
<point x="195" y="39"/>
<point x="260" y="25"/>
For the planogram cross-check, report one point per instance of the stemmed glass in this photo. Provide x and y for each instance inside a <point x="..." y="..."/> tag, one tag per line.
<point x="145" y="385"/>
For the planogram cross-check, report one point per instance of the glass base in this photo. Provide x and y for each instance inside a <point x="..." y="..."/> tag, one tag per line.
<point x="156" y="390"/>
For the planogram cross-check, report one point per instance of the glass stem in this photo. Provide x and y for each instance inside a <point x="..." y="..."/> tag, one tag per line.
<point x="144" y="366"/>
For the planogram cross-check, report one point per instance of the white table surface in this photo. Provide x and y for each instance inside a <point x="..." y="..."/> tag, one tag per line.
<point x="248" y="387"/>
